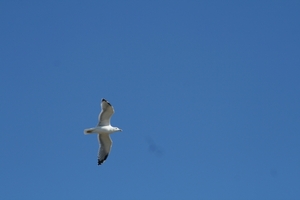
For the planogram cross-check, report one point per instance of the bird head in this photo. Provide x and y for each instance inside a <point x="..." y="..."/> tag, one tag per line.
<point x="118" y="129"/>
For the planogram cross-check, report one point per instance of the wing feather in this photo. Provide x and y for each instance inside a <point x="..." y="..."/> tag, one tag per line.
<point x="106" y="113"/>
<point x="104" y="149"/>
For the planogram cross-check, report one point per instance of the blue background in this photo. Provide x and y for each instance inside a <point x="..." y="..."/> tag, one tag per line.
<point x="206" y="92"/>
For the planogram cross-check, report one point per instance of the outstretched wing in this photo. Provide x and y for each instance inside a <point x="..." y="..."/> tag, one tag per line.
<point x="104" y="149"/>
<point x="106" y="113"/>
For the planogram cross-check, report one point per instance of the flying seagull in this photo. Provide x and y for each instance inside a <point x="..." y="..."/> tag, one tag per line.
<point x="103" y="129"/>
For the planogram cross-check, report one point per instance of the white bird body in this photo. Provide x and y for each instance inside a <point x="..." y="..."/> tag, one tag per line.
<point x="104" y="129"/>
<point x="101" y="130"/>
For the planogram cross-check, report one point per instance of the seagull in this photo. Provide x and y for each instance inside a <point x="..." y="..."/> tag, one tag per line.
<point x="103" y="129"/>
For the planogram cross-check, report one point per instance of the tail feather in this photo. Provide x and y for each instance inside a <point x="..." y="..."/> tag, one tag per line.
<point x="89" y="130"/>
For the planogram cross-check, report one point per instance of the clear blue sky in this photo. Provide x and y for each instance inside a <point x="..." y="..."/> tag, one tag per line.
<point x="207" y="94"/>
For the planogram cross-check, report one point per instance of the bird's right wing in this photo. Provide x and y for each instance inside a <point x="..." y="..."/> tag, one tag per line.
<point x="106" y="113"/>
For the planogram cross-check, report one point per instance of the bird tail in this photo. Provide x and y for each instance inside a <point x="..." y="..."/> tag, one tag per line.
<point x="88" y="131"/>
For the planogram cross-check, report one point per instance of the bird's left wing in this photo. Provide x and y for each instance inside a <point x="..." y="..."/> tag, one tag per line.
<point x="104" y="149"/>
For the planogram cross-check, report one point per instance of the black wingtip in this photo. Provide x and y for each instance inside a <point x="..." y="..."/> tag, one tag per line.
<point x="106" y="101"/>
<point x="101" y="161"/>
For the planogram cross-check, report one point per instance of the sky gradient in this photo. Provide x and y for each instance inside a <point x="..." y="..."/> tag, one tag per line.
<point x="206" y="92"/>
